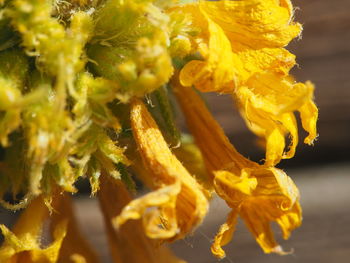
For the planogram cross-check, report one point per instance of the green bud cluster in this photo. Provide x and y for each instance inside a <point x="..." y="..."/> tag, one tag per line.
<point x="68" y="70"/>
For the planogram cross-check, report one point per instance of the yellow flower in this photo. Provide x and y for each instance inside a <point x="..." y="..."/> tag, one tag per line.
<point x="23" y="244"/>
<point x="241" y="43"/>
<point x="179" y="200"/>
<point x="239" y="39"/>
<point x="259" y="194"/>
<point x="268" y="103"/>
<point x="129" y="243"/>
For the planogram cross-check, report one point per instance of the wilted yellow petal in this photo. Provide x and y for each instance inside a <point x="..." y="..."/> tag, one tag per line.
<point x="218" y="153"/>
<point x="291" y="220"/>
<point x="218" y="70"/>
<point x="255" y="23"/>
<point x="309" y="115"/>
<point x="234" y="189"/>
<point x="51" y="253"/>
<point x="167" y="174"/>
<point x="129" y="243"/>
<point x="164" y="200"/>
<point x="275" y="199"/>
<point x="268" y="103"/>
<point x="242" y="45"/>
<point x="238" y="40"/>
<point x="259" y="194"/>
<point x="23" y="244"/>
<point x="224" y="235"/>
<point x="271" y="196"/>
<point x="260" y="228"/>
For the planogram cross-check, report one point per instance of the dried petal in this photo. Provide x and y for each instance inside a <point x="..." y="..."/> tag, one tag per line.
<point x="242" y="46"/>
<point x="129" y="243"/>
<point x="23" y="244"/>
<point x="257" y="193"/>
<point x="169" y="176"/>
<point x="238" y="40"/>
<point x="268" y="103"/>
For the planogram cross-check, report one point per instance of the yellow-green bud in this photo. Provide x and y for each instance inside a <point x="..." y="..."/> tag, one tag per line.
<point x="180" y="46"/>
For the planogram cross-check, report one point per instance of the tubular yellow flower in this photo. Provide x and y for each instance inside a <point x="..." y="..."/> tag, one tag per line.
<point x="129" y="243"/>
<point x="23" y="244"/>
<point x="242" y="46"/>
<point x="259" y="194"/>
<point x="180" y="201"/>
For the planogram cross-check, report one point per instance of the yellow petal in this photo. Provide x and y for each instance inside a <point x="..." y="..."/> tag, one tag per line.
<point x="276" y="60"/>
<point x="129" y="243"/>
<point x="271" y="197"/>
<point x="29" y="225"/>
<point x="290" y="220"/>
<point x="268" y="103"/>
<point x="259" y="225"/>
<point x="275" y="184"/>
<point x="217" y="72"/>
<point x="23" y="244"/>
<point x="259" y="194"/>
<point x="276" y="198"/>
<point x="275" y="94"/>
<point x="309" y="116"/>
<point x="51" y="253"/>
<point x="224" y="235"/>
<point x="255" y="23"/>
<point x="242" y="45"/>
<point x="239" y="39"/>
<point x="234" y="189"/>
<point x="164" y="202"/>
<point x="258" y="217"/>
<point x="290" y="124"/>
<point x="169" y="177"/>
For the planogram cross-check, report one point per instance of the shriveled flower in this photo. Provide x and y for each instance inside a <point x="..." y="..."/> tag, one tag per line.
<point x="242" y="45"/>
<point x="259" y="197"/>
<point x="23" y="244"/>
<point x="259" y="194"/>
<point x="86" y="94"/>
<point x="124" y="242"/>
<point x="180" y="201"/>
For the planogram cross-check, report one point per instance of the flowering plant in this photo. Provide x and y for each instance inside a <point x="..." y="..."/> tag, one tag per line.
<point x="86" y="90"/>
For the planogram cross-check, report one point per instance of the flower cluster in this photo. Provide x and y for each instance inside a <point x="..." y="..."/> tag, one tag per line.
<point x="87" y="90"/>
